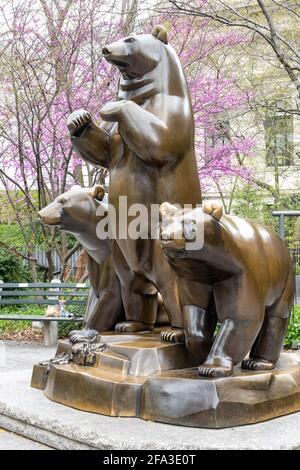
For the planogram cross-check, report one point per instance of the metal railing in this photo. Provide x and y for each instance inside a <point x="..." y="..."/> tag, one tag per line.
<point x="282" y="215"/>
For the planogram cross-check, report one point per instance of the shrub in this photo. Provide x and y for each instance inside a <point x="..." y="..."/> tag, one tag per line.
<point x="292" y="338"/>
<point x="11" y="326"/>
<point x="12" y="268"/>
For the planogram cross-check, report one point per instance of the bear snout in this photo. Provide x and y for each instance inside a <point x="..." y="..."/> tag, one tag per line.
<point x="48" y="216"/>
<point x="105" y="51"/>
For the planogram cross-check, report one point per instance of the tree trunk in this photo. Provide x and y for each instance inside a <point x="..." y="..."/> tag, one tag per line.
<point x="81" y="266"/>
<point x="50" y="264"/>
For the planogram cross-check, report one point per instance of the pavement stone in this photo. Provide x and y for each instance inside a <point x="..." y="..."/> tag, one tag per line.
<point x="11" y="441"/>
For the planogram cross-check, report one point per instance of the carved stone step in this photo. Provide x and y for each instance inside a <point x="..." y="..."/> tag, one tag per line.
<point x="148" y="355"/>
<point x="114" y="362"/>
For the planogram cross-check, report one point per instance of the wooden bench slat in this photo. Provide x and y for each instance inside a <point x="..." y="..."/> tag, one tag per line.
<point x="39" y="302"/>
<point x="38" y="318"/>
<point x="31" y="285"/>
<point x="11" y="293"/>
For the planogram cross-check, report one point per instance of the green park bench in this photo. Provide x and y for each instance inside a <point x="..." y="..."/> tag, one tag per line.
<point x="42" y="293"/>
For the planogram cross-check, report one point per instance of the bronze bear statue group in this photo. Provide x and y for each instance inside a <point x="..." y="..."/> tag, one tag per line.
<point x="229" y="297"/>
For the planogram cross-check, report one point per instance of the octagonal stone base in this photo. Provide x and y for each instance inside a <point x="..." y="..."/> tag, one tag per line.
<point x="140" y="376"/>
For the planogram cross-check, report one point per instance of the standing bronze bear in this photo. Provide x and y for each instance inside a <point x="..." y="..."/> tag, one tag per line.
<point x="251" y="278"/>
<point x="147" y="142"/>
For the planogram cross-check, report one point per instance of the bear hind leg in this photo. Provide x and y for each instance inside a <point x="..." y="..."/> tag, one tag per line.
<point x="268" y="345"/>
<point x="140" y="313"/>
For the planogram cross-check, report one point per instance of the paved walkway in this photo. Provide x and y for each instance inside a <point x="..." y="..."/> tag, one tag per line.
<point x="11" y="441"/>
<point x="20" y="356"/>
<point x="27" y="411"/>
<point x="16" y="355"/>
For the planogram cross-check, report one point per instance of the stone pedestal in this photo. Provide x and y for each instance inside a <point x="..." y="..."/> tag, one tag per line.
<point x="140" y="376"/>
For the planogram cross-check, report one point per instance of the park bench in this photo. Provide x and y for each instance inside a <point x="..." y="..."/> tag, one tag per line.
<point x="42" y="293"/>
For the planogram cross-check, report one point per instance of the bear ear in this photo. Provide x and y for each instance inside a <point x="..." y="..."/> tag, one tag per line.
<point x="214" y="210"/>
<point x="160" y="33"/>
<point x="98" y="192"/>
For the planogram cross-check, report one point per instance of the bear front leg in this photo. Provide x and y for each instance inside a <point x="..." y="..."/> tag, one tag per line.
<point x="89" y="140"/>
<point x="102" y="313"/>
<point x="231" y="345"/>
<point x="199" y="327"/>
<point x="112" y="112"/>
<point x="148" y="136"/>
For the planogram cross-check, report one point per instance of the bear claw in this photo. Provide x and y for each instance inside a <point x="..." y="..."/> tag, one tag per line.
<point x="132" y="327"/>
<point x="79" y="336"/>
<point x="215" y="372"/>
<point x="78" y="120"/>
<point x="173" y="335"/>
<point x="257" y="364"/>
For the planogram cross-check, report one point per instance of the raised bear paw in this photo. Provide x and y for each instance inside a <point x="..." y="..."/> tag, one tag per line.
<point x="78" y="121"/>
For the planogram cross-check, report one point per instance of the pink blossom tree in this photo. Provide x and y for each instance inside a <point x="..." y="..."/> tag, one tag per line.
<point x="51" y="64"/>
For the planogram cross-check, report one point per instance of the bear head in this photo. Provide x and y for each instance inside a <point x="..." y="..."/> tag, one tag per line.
<point x="74" y="209"/>
<point x="183" y="230"/>
<point x="136" y="55"/>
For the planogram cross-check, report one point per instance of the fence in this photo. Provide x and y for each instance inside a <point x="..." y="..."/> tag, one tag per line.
<point x="42" y="260"/>
<point x="295" y="254"/>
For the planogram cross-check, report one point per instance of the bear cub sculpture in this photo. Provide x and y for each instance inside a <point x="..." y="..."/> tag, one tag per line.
<point x="76" y="212"/>
<point x="250" y="273"/>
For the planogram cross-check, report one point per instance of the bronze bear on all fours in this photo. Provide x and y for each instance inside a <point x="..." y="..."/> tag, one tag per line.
<point x="147" y="143"/>
<point x="76" y="212"/>
<point x="250" y="272"/>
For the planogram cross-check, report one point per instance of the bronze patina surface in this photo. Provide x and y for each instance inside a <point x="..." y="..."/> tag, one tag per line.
<point x="140" y="376"/>
<point x="77" y="211"/>
<point x="250" y="273"/>
<point x="242" y="277"/>
<point x="147" y="143"/>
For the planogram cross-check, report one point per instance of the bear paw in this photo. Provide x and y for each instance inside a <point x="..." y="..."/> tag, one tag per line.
<point x="173" y="335"/>
<point x="110" y="112"/>
<point x="78" y="121"/>
<point x="214" y="372"/>
<point x="81" y="336"/>
<point x="132" y="327"/>
<point x="257" y="364"/>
